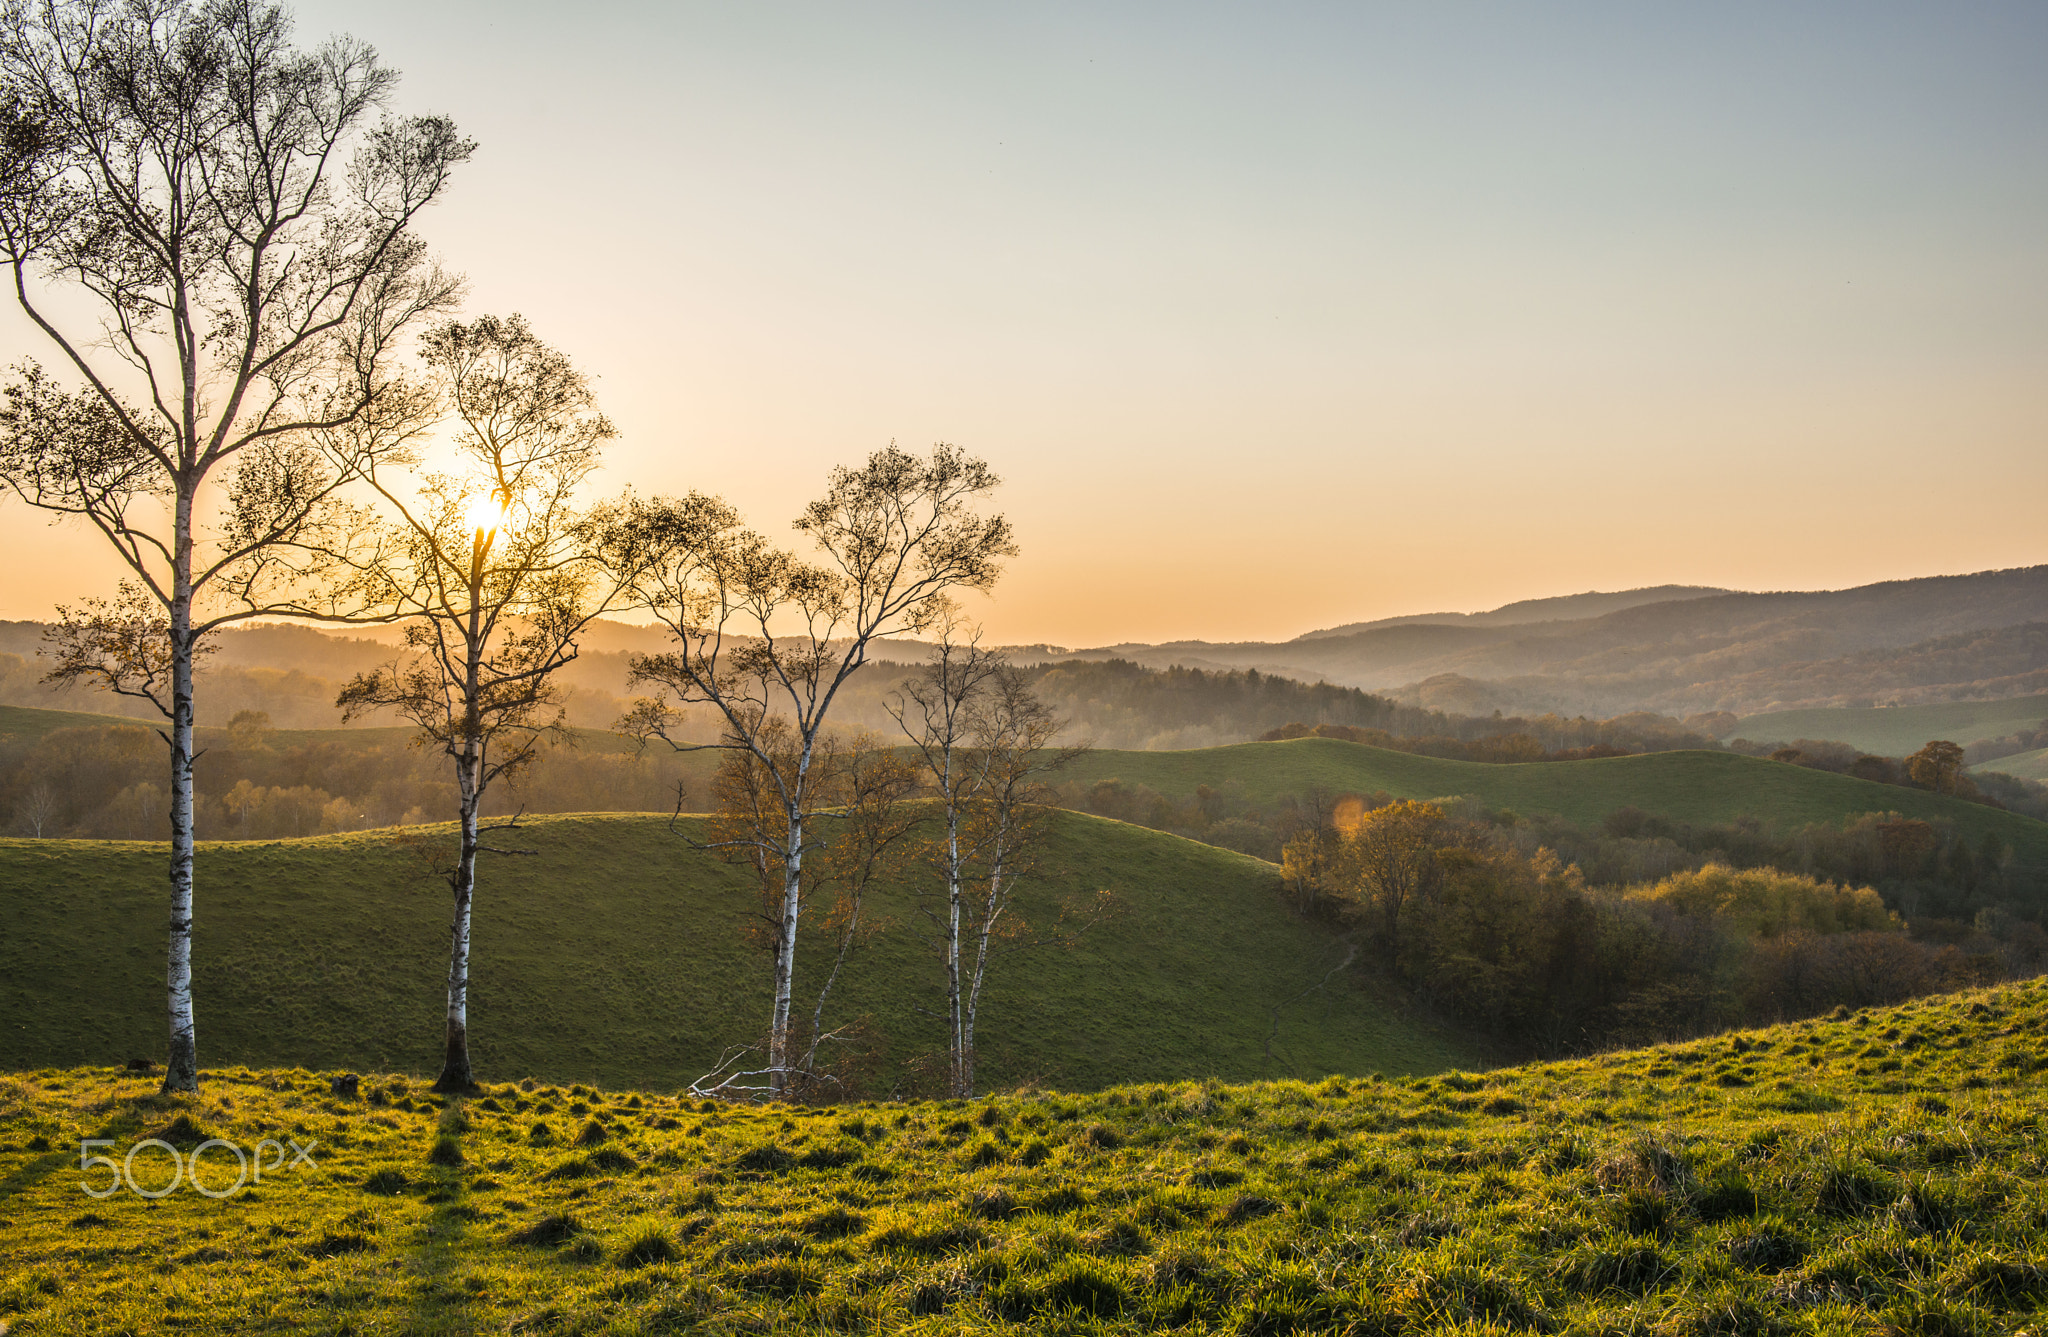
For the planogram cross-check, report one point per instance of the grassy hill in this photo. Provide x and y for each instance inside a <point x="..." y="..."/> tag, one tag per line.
<point x="1900" y="730"/>
<point x="22" y="722"/>
<point x="1877" y="1173"/>
<point x="617" y="954"/>
<point x="1686" y="786"/>
<point x="2026" y="765"/>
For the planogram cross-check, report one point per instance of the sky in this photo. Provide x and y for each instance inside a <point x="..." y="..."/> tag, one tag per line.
<point x="1281" y="316"/>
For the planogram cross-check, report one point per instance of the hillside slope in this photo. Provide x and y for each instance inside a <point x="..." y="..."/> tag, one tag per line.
<point x="1880" y="1173"/>
<point x="1685" y="786"/>
<point x="1934" y="639"/>
<point x="617" y="954"/>
<point x="2026" y="765"/>
<point x="1557" y="608"/>
<point x="1900" y="730"/>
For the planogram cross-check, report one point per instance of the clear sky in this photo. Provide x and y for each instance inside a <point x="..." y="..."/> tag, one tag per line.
<point x="1279" y="316"/>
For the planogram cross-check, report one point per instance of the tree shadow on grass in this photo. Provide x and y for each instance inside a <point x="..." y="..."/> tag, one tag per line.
<point x="434" y="1262"/>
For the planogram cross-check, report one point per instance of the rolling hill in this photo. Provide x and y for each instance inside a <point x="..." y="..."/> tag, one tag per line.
<point x="617" y="954"/>
<point x="2026" y="765"/>
<point x="1940" y="638"/>
<point x="1686" y="786"/>
<point x="1900" y="730"/>
<point x="1559" y="608"/>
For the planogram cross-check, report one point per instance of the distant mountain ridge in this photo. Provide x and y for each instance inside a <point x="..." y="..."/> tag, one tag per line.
<point x="1924" y="641"/>
<point x="1964" y="637"/>
<point x="1558" y="608"/>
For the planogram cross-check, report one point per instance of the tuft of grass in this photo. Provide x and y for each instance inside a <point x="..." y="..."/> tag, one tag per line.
<point x="646" y="1245"/>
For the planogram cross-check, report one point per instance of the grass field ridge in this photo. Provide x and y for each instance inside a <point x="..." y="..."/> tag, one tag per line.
<point x="1884" y="1170"/>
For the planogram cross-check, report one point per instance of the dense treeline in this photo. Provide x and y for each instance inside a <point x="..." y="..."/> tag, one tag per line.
<point x="1509" y="937"/>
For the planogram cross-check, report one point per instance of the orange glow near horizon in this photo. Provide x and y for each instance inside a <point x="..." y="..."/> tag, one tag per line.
<point x="1273" y="319"/>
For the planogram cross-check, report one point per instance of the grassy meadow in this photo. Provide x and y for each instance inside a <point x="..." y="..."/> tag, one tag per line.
<point x="1898" y="731"/>
<point x="1684" y="786"/>
<point x="2026" y="765"/>
<point x="1882" y="1172"/>
<point x="616" y="954"/>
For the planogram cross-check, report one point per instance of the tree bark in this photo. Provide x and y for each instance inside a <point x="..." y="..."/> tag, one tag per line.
<point x="785" y="955"/>
<point x="956" y="1020"/>
<point x="456" y="1077"/>
<point x="983" y="932"/>
<point x="181" y="1066"/>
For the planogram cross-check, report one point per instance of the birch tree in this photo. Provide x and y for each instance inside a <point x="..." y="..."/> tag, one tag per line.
<point x="762" y="635"/>
<point x="212" y="231"/>
<point x="984" y="740"/>
<point x="936" y="709"/>
<point x="858" y="821"/>
<point x="488" y="566"/>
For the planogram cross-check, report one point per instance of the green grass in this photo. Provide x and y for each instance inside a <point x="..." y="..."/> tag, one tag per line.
<point x="1898" y="731"/>
<point x="1686" y="786"/>
<point x="1886" y="1172"/>
<point x="2026" y="765"/>
<point x="618" y="954"/>
<point x="28" y="724"/>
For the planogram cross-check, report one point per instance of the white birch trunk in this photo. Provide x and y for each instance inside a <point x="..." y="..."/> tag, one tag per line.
<point x="785" y="955"/>
<point x="456" y="1075"/>
<point x="181" y="1069"/>
<point x="955" y="1018"/>
<point x="992" y="910"/>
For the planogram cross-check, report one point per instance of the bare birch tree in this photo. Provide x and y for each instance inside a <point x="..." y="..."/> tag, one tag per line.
<point x="936" y="710"/>
<point x="983" y="740"/>
<point x="235" y="218"/>
<point x="857" y="822"/>
<point x="488" y="567"/>
<point x="763" y="635"/>
<point x="37" y="809"/>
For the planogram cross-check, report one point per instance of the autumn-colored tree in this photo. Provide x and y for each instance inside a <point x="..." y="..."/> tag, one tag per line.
<point x="1937" y="766"/>
<point x="1388" y="861"/>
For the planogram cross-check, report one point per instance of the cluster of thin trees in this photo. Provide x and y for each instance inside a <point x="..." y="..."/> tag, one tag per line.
<point x="266" y="406"/>
<point x="1510" y="939"/>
